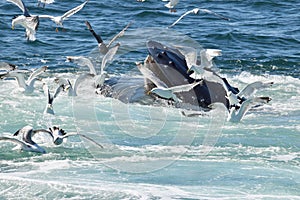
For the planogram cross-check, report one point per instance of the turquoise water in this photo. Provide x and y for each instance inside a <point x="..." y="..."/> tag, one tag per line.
<point x="153" y="152"/>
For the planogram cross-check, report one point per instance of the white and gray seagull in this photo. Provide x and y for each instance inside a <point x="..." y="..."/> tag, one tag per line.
<point x="29" y="22"/>
<point x="59" y="135"/>
<point x="84" y="61"/>
<point x="66" y="84"/>
<point x="247" y="92"/>
<point x="50" y="98"/>
<point x="45" y="2"/>
<point x="108" y="57"/>
<point x="196" y="11"/>
<point x="25" y="143"/>
<point x="204" y="70"/>
<point x="59" y="19"/>
<point x="19" y="75"/>
<point x="103" y="48"/>
<point x="4" y="66"/>
<point x="171" y="4"/>
<point x="237" y="113"/>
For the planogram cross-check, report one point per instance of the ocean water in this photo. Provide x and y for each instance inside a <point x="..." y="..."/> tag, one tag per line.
<point x="153" y="152"/>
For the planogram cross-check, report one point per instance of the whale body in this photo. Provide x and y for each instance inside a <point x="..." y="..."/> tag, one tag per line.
<point x="170" y="66"/>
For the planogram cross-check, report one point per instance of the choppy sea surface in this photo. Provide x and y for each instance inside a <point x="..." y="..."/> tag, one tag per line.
<point x="153" y="152"/>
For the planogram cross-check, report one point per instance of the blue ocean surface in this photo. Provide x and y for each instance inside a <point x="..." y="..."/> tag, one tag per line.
<point x="152" y="151"/>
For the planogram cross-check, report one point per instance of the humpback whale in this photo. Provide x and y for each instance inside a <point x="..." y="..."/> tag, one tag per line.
<point x="169" y="65"/>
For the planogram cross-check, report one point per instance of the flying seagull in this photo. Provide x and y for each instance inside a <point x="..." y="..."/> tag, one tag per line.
<point x="102" y="46"/>
<point x="59" y="19"/>
<point x="204" y="70"/>
<point x="30" y="23"/>
<point x="196" y="11"/>
<point x="28" y="85"/>
<point x="72" y="88"/>
<point x="171" y="4"/>
<point x="45" y="2"/>
<point x="83" y="61"/>
<point x="246" y="92"/>
<point x="236" y="114"/>
<point x="25" y="143"/>
<point x="4" y="66"/>
<point x="50" y="98"/>
<point x="108" y="57"/>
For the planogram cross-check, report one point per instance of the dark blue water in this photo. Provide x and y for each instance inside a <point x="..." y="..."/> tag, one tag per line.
<point x="154" y="152"/>
<point x="260" y="36"/>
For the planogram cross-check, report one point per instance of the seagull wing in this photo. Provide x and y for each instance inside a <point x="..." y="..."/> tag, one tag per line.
<point x="48" y="94"/>
<point x="98" y="38"/>
<point x="14" y="140"/>
<point x="83" y="61"/>
<point x="79" y="80"/>
<point x="213" y="13"/>
<point x="23" y="130"/>
<point x="184" y="88"/>
<point x="148" y="74"/>
<point x="246" y="105"/>
<point x="58" y="90"/>
<point x="211" y="53"/>
<point x="21" y="5"/>
<point x="91" y="140"/>
<point x="41" y="131"/>
<point x="120" y="34"/>
<point x="251" y="88"/>
<point x="37" y="72"/>
<point x="189" y="53"/>
<point x="182" y="16"/>
<point x="47" y="17"/>
<point x="19" y="76"/>
<point x="7" y="66"/>
<point x="109" y="56"/>
<point x="73" y="11"/>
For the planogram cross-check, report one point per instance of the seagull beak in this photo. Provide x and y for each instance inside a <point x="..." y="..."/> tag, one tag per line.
<point x="149" y="92"/>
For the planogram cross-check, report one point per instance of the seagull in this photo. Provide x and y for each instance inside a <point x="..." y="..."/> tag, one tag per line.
<point x="27" y="85"/>
<point x="30" y="23"/>
<point x="55" y="132"/>
<point x="102" y="46"/>
<point x="236" y="114"/>
<point x="68" y="86"/>
<point x="50" y="98"/>
<point x="171" y="5"/>
<point x="204" y="69"/>
<point x="196" y="11"/>
<point x="7" y="66"/>
<point x="26" y="143"/>
<point x="59" y="135"/>
<point x="83" y="61"/>
<point x="45" y="2"/>
<point x="99" y="79"/>
<point x="59" y="19"/>
<point x="246" y="92"/>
